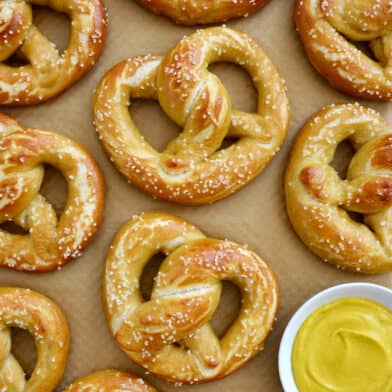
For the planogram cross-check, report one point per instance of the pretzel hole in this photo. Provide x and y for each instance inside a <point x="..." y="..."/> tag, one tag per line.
<point x="54" y="188"/>
<point x="355" y="216"/>
<point x="239" y="85"/>
<point x="342" y="158"/>
<point x="364" y="47"/>
<point x="24" y="349"/>
<point x="54" y="25"/>
<point x="227" y="142"/>
<point x="155" y="126"/>
<point x="228" y="309"/>
<point x="16" y="60"/>
<point x="149" y="275"/>
<point x="13" y="228"/>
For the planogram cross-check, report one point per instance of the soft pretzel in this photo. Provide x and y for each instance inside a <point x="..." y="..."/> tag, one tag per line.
<point x="109" y="381"/>
<point x="319" y="202"/>
<point x="192" y="169"/>
<point x="330" y="30"/>
<point x="191" y="12"/>
<point x="50" y="242"/>
<point x="184" y="298"/>
<point x="48" y="72"/>
<point x="22" y="308"/>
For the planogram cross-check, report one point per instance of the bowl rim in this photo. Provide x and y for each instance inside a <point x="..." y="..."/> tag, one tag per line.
<point x="372" y="291"/>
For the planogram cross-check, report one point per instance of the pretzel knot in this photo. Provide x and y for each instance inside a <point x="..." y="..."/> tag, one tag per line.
<point x="50" y="242"/>
<point x="184" y="298"/>
<point x="191" y="12"/>
<point x="194" y="168"/>
<point x="331" y="31"/>
<point x="109" y="381"/>
<point x="22" y="308"/>
<point x="48" y="72"/>
<point x="319" y="202"/>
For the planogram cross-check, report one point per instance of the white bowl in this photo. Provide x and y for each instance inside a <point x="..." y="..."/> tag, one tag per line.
<point x="370" y="291"/>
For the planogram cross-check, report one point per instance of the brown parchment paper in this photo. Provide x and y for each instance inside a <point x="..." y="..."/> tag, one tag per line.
<point x="255" y="216"/>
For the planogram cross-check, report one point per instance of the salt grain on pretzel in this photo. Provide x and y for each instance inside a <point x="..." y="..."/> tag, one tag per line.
<point x="191" y="12"/>
<point x="48" y="72"/>
<point x="329" y="30"/>
<point x="109" y="381"/>
<point x="193" y="169"/>
<point x="26" y="309"/>
<point x="319" y="202"/>
<point x="184" y="298"/>
<point x="50" y="242"/>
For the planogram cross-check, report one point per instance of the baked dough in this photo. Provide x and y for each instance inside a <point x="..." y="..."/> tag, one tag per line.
<point x="51" y="242"/>
<point x="319" y="202"/>
<point x="48" y="73"/>
<point x="330" y="31"/>
<point x="170" y="334"/>
<point x="110" y="381"/>
<point x="27" y="309"/>
<point x="193" y="168"/>
<point x="191" y="12"/>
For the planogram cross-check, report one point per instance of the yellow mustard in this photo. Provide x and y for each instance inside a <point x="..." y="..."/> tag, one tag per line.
<point x="345" y="346"/>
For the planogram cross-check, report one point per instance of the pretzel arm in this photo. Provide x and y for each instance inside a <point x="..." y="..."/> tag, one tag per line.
<point x="252" y="125"/>
<point x="43" y="56"/>
<point x="205" y="345"/>
<point x="11" y="373"/>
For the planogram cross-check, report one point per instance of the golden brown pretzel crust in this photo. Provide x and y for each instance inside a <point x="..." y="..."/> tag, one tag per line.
<point x="192" y="169"/>
<point x="319" y="201"/>
<point x="48" y="72"/>
<point x="184" y="298"/>
<point x="191" y="12"/>
<point x="109" y="381"/>
<point x="22" y="308"/>
<point x="51" y="242"/>
<point x="324" y="26"/>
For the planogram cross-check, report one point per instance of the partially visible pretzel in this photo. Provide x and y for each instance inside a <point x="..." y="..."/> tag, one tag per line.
<point x="50" y="242"/>
<point x="48" y="72"/>
<point x="22" y="308"/>
<point x="328" y="28"/>
<point x="184" y="298"/>
<point x="192" y="169"/>
<point x="192" y="12"/>
<point x="319" y="201"/>
<point x="110" y="381"/>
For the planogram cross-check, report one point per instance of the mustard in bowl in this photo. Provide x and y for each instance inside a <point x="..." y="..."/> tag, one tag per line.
<point x="344" y="346"/>
<point x="339" y="340"/>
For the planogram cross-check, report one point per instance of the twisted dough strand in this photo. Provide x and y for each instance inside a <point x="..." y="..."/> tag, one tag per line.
<point x="329" y="30"/>
<point x="50" y="242"/>
<point x="319" y="201"/>
<point x="22" y="308"/>
<point x="48" y="72"/>
<point x="193" y="169"/>
<point x="185" y="296"/>
<point x="191" y="12"/>
<point x="109" y="381"/>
